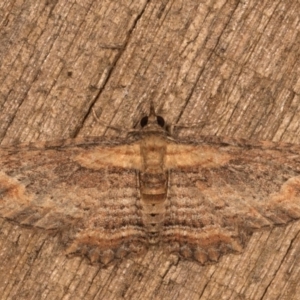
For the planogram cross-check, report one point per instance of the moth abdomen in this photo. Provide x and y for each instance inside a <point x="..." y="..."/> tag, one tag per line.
<point x="153" y="191"/>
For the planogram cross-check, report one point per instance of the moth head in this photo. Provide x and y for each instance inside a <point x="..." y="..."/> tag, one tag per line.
<point x="153" y="122"/>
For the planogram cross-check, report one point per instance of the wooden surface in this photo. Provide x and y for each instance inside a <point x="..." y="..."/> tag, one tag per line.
<point x="67" y="68"/>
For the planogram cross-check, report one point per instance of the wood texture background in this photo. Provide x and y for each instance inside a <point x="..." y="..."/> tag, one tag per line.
<point x="67" y="68"/>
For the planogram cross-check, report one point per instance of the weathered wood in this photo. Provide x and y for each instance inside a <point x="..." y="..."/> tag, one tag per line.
<point x="67" y="68"/>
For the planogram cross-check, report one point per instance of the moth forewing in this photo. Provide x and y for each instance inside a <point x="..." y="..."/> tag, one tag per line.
<point x="188" y="155"/>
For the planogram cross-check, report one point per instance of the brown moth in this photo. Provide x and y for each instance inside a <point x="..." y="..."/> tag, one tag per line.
<point x="198" y="197"/>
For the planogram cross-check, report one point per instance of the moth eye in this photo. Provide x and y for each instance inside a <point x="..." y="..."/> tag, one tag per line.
<point x="160" y="121"/>
<point x="144" y="121"/>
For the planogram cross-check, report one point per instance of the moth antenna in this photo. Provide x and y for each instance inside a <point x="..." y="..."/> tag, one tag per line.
<point x="106" y="125"/>
<point x="173" y="128"/>
<point x="194" y="125"/>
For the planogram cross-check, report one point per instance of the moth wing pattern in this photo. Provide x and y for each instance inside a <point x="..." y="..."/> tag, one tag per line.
<point x="222" y="189"/>
<point x="86" y="189"/>
<point x="219" y="190"/>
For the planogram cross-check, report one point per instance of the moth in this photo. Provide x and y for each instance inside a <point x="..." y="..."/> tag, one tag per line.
<point x="198" y="197"/>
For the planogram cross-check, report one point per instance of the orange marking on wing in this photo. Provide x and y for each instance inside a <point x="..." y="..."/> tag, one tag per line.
<point x="125" y="156"/>
<point x="10" y="188"/>
<point x="179" y="156"/>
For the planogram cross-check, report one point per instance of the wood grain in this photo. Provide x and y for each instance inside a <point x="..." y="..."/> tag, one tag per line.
<point x="231" y="67"/>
